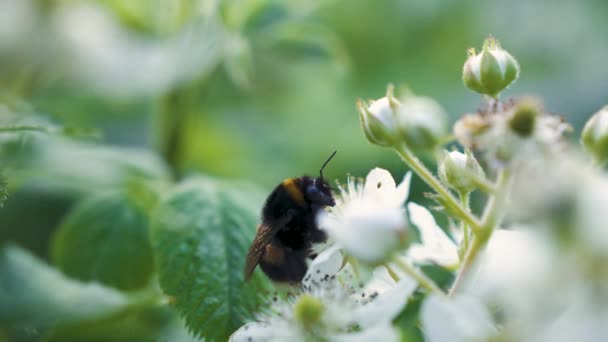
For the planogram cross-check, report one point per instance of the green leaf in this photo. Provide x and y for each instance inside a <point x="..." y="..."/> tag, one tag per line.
<point x="305" y="39"/>
<point x="66" y="165"/>
<point x="201" y="233"/>
<point x="407" y="321"/>
<point x="33" y="295"/>
<point x="105" y="238"/>
<point x="3" y="189"/>
<point x="135" y="323"/>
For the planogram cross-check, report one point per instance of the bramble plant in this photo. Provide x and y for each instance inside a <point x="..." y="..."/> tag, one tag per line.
<point x="530" y="265"/>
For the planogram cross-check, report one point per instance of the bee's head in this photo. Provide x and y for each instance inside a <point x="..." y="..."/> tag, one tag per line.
<point x="319" y="191"/>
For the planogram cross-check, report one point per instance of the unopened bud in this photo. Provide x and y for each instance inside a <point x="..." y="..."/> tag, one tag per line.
<point x="491" y="70"/>
<point x="595" y="135"/>
<point x="378" y="119"/>
<point x="422" y="122"/>
<point x="460" y="171"/>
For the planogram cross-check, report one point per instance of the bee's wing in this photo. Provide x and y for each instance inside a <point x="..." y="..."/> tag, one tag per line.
<point x="262" y="239"/>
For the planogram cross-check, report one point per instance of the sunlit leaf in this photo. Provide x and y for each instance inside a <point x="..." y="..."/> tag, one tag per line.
<point x="82" y="167"/>
<point x="105" y="238"/>
<point x="33" y="295"/>
<point x="200" y="234"/>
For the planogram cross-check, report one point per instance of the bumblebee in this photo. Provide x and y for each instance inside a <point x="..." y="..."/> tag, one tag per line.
<point x="285" y="236"/>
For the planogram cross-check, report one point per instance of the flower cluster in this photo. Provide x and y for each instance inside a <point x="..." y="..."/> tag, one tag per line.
<point x="530" y="265"/>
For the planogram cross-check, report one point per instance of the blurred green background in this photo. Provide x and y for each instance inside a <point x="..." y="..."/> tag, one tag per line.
<point x="256" y="89"/>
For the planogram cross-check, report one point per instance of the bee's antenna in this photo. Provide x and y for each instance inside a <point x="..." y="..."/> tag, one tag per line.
<point x="327" y="161"/>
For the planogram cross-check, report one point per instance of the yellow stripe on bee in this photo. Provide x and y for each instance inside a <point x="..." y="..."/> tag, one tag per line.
<point x="293" y="190"/>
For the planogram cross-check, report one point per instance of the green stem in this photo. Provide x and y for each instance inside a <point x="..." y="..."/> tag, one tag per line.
<point x="448" y="199"/>
<point x="491" y="219"/>
<point x="466" y="232"/>
<point x="485" y="186"/>
<point x="25" y="128"/>
<point x="420" y="277"/>
<point x="172" y="120"/>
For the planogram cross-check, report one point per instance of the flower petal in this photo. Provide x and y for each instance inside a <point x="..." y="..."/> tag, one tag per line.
<point x="379" y="184"/>
<point x="436" y="245"/>
<point x="463" y="318"/>
<point x="382" y="332"/>
<point x="325" y="265"/>
<point x="504" y="269"/>
<point x="403" y="189"/>
<point x="253" y="332"/>
<point x="384" y="306"/>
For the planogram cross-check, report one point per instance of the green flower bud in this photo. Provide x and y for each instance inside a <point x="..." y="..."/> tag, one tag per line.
<point x="378" y="119"/>
<point x="522" y="120"/>
<point x="595" y="135"/>
<point x="490" y="71"/>
<point x="419" y="122"/>
<point x="460" y="171"/>
<point x="308" y="311"/>
<point x="422" y="122"/>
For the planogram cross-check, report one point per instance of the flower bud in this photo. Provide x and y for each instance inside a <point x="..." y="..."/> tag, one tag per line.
<point x="490" y="71"/>
<point x="378" y="119"/>
<point x="422" y="122"/>
<point x="308" y="311"/>
<point x="460" y="171"/>
<point x="419" y="122"/>
<point x="595" y="135"/>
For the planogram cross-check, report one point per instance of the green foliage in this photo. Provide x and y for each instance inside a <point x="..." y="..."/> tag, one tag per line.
<point x="408" y="322"/>
<point x="105" y="238"/>
<point x="3" y="188"/>
<point x="33" y="295"/>
<point x="201" y="232"/>
<point x="135" y="323"/>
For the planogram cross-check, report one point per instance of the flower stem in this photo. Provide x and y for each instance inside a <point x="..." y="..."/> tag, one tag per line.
<point x="491" y="219"/>
<point x="447" y="198"/>
<point x="420" y="277"/>
<point x="466" y="231"/>
<point x="485" y="186"/>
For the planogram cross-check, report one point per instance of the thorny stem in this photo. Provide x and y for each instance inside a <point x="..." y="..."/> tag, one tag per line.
<point x="491" y="219"/>
<point x="448" y="199"/>
<point x="420" y="277"/>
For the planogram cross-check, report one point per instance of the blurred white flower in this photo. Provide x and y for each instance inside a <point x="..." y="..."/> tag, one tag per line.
<point x="342" y="306"/>
<point x="368" y="220"/>
<point x="515" y="261"/>
<point x="118" y="62"/>
<point x="435" y="245"/>
<point x="463" y="318"/>
<point x="506" y="135"/>
<point x="592" y="208"/>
